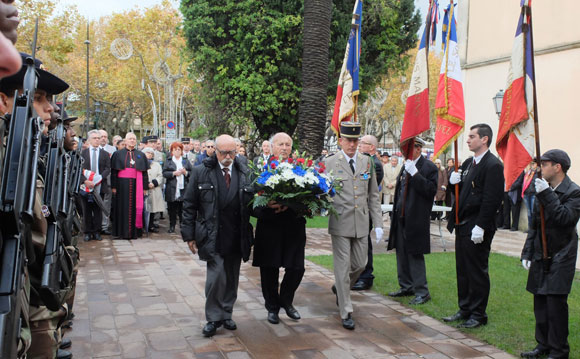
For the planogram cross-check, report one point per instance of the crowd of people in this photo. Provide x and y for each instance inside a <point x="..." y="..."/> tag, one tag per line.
<point x="125" y="188"/>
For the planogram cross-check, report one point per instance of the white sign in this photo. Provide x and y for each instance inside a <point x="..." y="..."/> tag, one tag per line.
<point x="170" y="135"/>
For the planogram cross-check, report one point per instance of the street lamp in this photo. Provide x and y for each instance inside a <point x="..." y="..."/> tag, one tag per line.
<point x="88" y="43"/>
<point x="97" y="113"/>
<point x="497" y="102"/>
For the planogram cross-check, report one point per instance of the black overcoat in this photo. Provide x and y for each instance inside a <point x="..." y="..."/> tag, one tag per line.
<point x="418" y="205"/>
<point x="561" y="213"/>
<point x="170" y="180"/>
<point x="201" y="220"/>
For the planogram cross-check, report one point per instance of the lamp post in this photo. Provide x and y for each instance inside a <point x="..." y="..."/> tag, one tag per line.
<point x="88" y="43"/>
<point x="497" y="102"/>
<point x="97" y="113"/>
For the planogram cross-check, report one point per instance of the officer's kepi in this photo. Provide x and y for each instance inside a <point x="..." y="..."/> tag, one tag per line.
<point x="46" y="81"/>
<point x="350" y="129"/>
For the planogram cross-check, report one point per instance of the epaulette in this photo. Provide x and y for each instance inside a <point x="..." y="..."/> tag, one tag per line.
<point x="366" y="154"/>
<point x="330" y="155"/>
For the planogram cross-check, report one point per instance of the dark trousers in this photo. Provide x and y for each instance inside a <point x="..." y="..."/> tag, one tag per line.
<point x="411" y="271"/>
<point x="513" y="210"/>
<point x="221" y="287"/>
<point x="269" y="278"/>
<point x="471" y="265"/>
<point x="367" y="275"/>
<point x="92" y="216"/>
<point x="174" y="209"/>
<point x="551" y="313"/>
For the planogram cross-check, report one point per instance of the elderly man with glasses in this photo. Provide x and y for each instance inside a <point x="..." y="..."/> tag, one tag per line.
<point x="216" y="225"/>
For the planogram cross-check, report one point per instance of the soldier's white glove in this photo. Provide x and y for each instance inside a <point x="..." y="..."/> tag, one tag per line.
<point x="455" y="177"/>
<point x="410" y="167"/>
<point x="541" y="185"/>
<point x="379" y="233"/>
<point x="477" y="235"/>
<point x="526" y="264"/>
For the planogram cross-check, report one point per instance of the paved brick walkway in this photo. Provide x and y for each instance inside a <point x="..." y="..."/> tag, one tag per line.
<point x="145" y="299"/>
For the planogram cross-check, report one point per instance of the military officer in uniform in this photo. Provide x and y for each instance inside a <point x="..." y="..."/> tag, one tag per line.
<point x="358" y="200"/>
<point x="550" y="282"/>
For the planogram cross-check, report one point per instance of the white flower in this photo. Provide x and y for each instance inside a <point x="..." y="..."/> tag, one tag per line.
<point x="273" y="181"/>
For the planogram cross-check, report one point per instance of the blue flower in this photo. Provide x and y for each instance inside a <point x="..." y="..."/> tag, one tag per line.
<point x="322" y="184"/>
<point x="299" y="171"/>
<point x="264" y="178"/>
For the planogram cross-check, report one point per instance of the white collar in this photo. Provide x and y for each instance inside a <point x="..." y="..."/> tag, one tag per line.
<point x="350" y="158"/>
<point x="228" y="167"/>
<point x="477" y="159"/>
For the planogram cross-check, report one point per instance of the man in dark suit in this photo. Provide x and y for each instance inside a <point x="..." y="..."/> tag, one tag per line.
<point x="280" y="242"/>
<point x="262" y="159"/>
<point x="216" y="224"/>
<point x="410" y="229"/>
<point x="481" y="184"/>
<point x="98" y="162"/>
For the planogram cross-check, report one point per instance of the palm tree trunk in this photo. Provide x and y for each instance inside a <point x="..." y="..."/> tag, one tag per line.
<point x="315" y="61"/>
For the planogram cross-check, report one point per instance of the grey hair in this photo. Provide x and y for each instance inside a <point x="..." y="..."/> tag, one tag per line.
<point x="94" y="132"/>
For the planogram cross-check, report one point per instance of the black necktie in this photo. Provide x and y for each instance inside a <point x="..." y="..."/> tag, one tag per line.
<point x="351" y="163"/>
<point x="227" y="176"/>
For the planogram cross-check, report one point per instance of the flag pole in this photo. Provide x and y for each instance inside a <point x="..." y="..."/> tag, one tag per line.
<point x="411" y="143"/>
<point x="545" y="258"/>
<point x="456" y="186"/>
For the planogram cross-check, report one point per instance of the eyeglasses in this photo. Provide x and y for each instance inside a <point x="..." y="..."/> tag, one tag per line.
<point x="232" y="153"/>
<point x="209" y="146"/>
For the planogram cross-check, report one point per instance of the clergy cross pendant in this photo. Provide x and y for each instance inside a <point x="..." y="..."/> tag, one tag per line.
<point x="132" y="162"/>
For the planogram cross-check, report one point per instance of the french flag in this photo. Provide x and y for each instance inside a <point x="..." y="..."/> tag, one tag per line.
<point x="416" y="118"/>
<point x="516" y="137"/>
<point x="449" y="105"/>
<point x="348" y="84"/>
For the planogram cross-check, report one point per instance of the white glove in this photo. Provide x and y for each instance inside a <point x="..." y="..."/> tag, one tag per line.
<point x="526" y="264"/>
<point x="379" y="233"/>
<point x="477" y="235"/>
<point x="410" y="167"/>
<point x="541" y="185"/>
<point x="455" y="177"/>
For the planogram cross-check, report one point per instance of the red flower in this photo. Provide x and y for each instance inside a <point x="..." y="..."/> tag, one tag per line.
<point x="321" y="167"/>
<point x="309" y="163"/>
<point x="274" y="158"/>
<point x="260" y="193"/>
<point x="290" y="160"/>
<point x="300" y="160"/>
<point x="273" y="165"/>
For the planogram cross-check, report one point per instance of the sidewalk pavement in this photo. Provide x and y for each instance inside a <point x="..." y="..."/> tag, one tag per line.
<point x="145" y="299"/>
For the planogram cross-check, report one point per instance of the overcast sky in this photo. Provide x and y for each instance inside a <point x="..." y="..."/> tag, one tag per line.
<point x="97" y="8"/>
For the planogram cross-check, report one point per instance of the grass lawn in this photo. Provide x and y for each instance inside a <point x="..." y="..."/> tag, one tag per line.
<point x="316" y="222"/>
<point x="510" y="309"/>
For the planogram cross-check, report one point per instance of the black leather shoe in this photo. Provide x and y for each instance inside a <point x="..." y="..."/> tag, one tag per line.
<point x="334" y="291"/>
<point x="402" y="293"/>
<point x="210" y="328"/>
<point x="292" y="313"/>
<point x="534" y="354"/>
<point x="97" y="237"/>
<point x="348" y="323"/>
<point x="65" y="343"/>
<point x="472" y="323"/>
<point x="63" y="354"/>
<point x="273" y="318"/>
<point x="87" y="237"/>
<point x="171" y="229"/>
<point x="106" y="232"/>
<point x="361" y="285"/>
<point x="454" y="317"/>
<point x="229" y="324"/>
<point x="420" y="299"/>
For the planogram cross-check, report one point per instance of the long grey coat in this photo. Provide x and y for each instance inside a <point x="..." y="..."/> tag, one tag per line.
<point x="155" y="201"/>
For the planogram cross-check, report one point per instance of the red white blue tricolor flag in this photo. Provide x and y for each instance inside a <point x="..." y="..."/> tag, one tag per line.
<point x="449" y="106"/>
<point x="516" y="138"/>
<point x="416" y="118"/>
<point x="348" y="84"/>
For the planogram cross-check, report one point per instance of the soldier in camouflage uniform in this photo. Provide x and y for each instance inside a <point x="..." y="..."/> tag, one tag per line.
<point x="44" y="325"/>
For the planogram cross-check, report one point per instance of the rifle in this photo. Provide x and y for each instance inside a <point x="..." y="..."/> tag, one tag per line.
<point x="57" y="268"/>
<point x="17" y="196"/>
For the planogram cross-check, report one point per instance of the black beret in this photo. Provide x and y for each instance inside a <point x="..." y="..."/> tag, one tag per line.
<point x="557" y="156"/>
